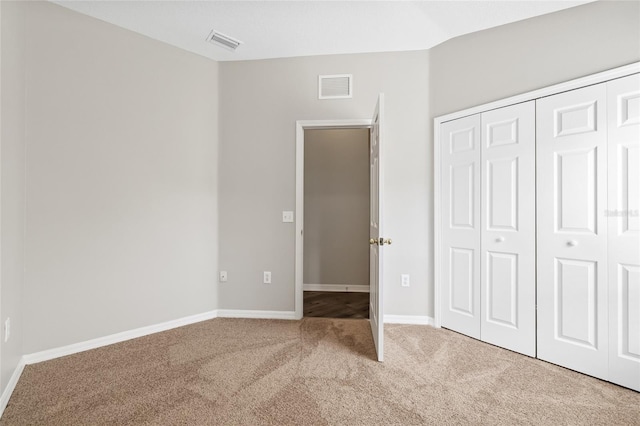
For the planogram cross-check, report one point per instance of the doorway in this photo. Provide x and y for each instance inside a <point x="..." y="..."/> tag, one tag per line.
<point x="336" y="218"/>
<point x="377" y="241"/>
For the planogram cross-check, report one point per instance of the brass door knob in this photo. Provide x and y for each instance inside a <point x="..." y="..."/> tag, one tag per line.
<point x="381" y="241"/>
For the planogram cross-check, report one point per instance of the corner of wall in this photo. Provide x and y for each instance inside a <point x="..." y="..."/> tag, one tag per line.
<point x="216" y="68"/>
<point x="12" y="190"/>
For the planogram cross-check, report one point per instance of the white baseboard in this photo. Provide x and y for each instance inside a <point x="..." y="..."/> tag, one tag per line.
<point x="115" y="338"/>
<point x="336" y="287"/>
<point x="11" y="385"/>
<point x="238" y="313"/>
<point x="144" y="331"/>
<point x="409" y="319"/>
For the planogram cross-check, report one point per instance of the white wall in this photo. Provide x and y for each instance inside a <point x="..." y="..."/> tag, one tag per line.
<point x="12" y="194"/>
<point x="121" y="180"/>
<point x="260" y="103"/>
<point x="336" y="206"/>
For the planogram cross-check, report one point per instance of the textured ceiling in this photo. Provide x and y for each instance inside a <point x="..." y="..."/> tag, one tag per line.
<point x="276" y="29"/>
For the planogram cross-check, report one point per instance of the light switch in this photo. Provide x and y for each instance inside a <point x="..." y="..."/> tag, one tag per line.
<point x="287" y="216"/>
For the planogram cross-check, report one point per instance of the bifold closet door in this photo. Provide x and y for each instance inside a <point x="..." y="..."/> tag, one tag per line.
<point x="624" y="230"/>
<point x="508" y="285"/>
<point x="460" y="176"/>
<point x="572" y="230"/>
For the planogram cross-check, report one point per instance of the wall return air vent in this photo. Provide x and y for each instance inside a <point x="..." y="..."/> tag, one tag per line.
<point x="223" y="40"/>
<point x="339" y="86"/>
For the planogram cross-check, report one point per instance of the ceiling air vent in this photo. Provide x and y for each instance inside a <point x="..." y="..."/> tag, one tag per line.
<point x="223" y="40"/>
<point x="338" y="86"/>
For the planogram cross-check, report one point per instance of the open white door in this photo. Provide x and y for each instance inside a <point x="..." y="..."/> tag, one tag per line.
<point x="376" y="240"/>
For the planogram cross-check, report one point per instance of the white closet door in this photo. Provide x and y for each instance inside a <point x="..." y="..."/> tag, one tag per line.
<point x="460" y="147"/>
<point x="624" y="231"/>
<point x="572" y="230"/>
<point x="508" y="286"/>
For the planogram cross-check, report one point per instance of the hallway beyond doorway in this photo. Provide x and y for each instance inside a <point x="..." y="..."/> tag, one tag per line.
<point x="331" y="304"/>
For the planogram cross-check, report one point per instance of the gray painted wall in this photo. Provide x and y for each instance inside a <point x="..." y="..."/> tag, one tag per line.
<point x="538" y="52"/>
<point x="261" y="101"/>
<point x="336" y="206"/>
<point x="12" y="193"/>
<point x="121" y="180"/>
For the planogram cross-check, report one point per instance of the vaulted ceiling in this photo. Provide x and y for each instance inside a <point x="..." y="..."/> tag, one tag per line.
<point x="276" y="29"/>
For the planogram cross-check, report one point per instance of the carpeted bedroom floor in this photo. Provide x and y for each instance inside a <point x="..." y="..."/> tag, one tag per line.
<point x="310" y="372"/>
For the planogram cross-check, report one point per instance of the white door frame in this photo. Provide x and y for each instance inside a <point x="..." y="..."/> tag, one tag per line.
<point x="301" y="126"/>
<point x="524" y="97"/>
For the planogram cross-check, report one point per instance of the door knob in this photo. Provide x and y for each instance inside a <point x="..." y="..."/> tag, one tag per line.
<point x="499" y="239"/>
<point x="381" y="241"/>
<point x="572" y="243"/>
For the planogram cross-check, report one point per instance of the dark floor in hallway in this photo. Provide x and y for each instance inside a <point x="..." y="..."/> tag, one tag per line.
<point x="330" y="304"/>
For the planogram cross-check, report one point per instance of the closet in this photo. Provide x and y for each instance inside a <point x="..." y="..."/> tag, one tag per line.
<point x="488" y="193"/>
<point x="538" y="225"/>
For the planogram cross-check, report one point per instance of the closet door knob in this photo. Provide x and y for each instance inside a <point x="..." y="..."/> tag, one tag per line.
<point x="499" y="239"/>
<point x="572" y="243"/>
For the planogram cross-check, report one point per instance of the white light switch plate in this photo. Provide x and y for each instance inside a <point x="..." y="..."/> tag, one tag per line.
<point x="287" y="216"/>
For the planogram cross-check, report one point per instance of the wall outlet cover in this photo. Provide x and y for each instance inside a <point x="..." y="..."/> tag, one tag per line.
<point x="405" y="280"/>
<point x="287" y="216"/>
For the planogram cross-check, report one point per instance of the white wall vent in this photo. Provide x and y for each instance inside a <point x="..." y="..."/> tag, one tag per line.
<point x="339" y="86"/>
<point x="225" y="41"/>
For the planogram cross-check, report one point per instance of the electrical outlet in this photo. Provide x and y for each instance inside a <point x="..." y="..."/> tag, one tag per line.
<point x="7" y="329"/>
<point x="267" y="277"/>
<point x="223" y="276"/>
<point x="405" y="280"/>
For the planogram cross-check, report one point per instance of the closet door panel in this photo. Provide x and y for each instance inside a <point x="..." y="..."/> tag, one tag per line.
<point x="508" y="228"/>
<point x="572" y="231"/>
<point x="623" y="218"/>
<point x="460" y="147"/>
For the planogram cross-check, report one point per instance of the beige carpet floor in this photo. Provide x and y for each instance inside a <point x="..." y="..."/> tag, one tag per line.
<point x="310" y="372"/>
